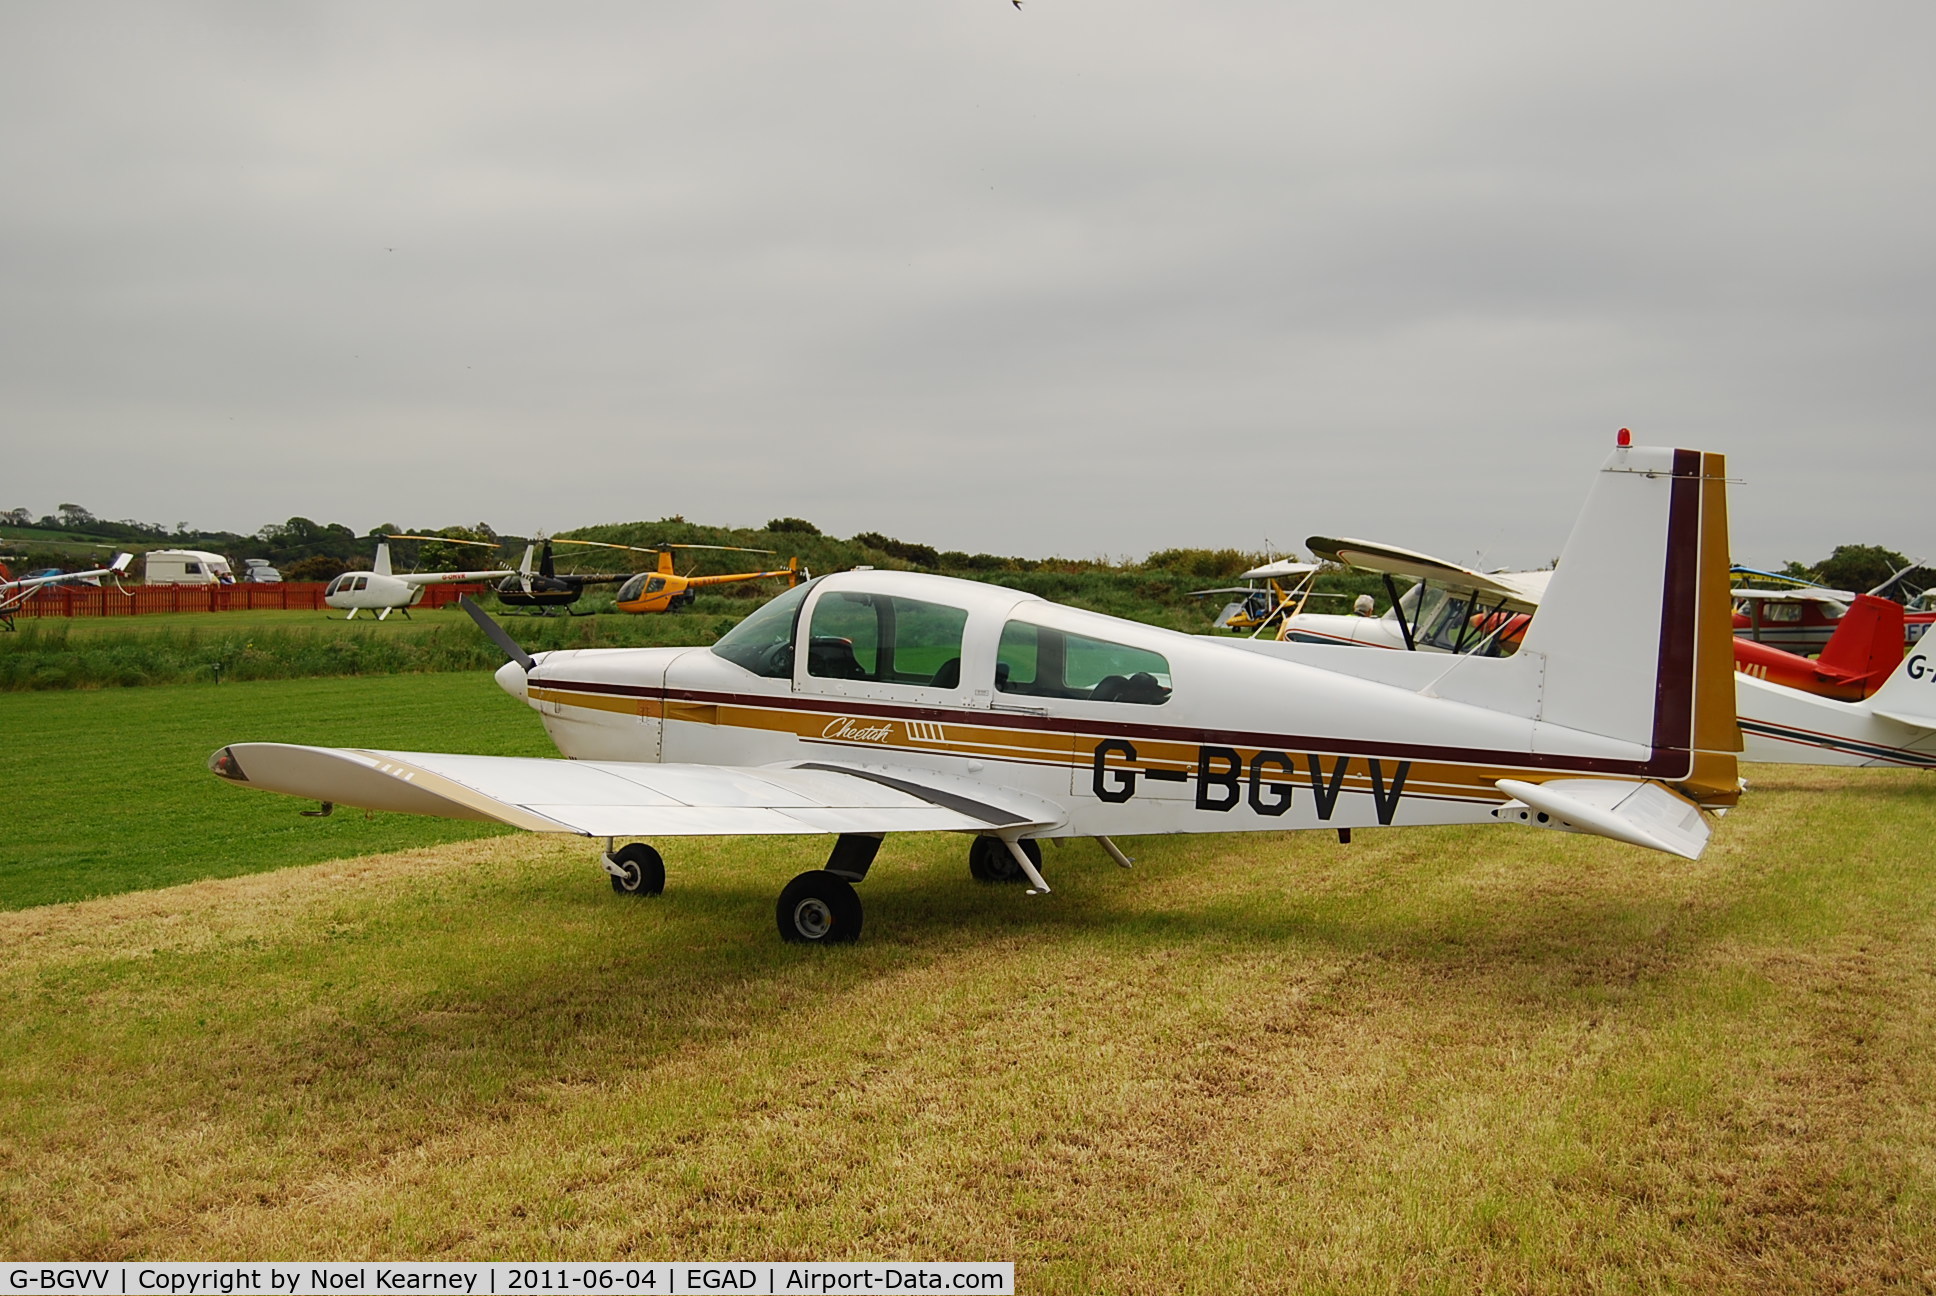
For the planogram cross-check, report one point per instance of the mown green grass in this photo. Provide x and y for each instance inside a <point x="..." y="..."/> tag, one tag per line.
<point x="107" y="790"/>
<point x="174" y="648"/>
<point x="1439" y="1060"/>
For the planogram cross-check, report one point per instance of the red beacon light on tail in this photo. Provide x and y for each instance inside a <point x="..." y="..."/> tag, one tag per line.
<point x="1624" y="439"/>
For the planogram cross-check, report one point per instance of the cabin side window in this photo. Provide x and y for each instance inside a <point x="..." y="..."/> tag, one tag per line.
<point x="1036" y="661"/>
<point x="887" y="640"/>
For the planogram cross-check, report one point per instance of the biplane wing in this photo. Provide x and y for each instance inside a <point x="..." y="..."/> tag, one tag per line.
<point x="631" y="799"/>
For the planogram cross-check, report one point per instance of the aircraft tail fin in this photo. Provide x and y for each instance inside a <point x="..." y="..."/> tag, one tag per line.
<point x="1867" y="643"/>
<point x="1634" y="637"/>
<point x="382" y="565"/>
<point x="1908" y="696"/>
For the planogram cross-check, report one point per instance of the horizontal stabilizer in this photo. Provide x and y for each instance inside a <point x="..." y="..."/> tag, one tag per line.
<point x="1906" y="718"/>
<point x="1909" y="695"/>
<point x="1643" y="814"/>
<point x="629" y="799"/>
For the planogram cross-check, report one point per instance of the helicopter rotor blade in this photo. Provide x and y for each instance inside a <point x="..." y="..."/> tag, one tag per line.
<point x="481" y="544"/>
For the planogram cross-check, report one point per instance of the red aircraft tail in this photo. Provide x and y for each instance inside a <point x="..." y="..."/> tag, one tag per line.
<point x="1866" y="646"/>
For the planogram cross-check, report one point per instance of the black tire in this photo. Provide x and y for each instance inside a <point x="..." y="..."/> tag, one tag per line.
<point x="644" y="870"/>
<point x="990" y="861"/>
<point x="819" y="908"/>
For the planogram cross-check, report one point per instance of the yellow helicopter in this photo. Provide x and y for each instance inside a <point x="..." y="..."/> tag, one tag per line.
<point x="665" y="590"/>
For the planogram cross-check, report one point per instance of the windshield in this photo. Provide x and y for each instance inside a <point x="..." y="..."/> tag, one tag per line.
<point x="763" y="642"/>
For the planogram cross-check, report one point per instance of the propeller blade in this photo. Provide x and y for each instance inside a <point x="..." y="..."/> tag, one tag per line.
<point x="506" y="644"/>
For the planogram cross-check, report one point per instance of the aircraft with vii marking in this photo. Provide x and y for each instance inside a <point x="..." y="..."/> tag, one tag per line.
<point x="875" y="702"/>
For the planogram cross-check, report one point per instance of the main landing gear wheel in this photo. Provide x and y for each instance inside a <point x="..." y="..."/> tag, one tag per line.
<point x="989" y="860"/>
<point x="819" y="908"/>
<point x="641" y="870"/>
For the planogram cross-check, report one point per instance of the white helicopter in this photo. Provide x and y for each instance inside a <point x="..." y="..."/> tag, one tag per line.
<point x="872" y="702"/>
<point x="13" y="593"/>
<point x="383" y="591"/>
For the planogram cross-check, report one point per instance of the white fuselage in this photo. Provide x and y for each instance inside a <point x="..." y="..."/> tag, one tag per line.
<point x="371" y="592"/>
<point x="1241" y="742"/>
<point x="1791" y="727"/>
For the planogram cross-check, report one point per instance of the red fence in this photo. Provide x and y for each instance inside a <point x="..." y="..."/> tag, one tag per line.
<point x="292" y="596"/>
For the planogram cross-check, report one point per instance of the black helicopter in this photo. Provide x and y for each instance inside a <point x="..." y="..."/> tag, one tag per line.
<point x="543" y="588"/>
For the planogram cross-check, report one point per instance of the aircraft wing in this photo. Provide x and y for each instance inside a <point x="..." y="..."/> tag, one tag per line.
<point x="1521" y="588"/>
<point x="633" y="799"/>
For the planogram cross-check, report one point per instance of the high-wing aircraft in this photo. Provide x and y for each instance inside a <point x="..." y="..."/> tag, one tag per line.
<point x="1804" y="617"/>
<point x="383" y="591"/>
<point x="873" y="702"/>
<point x="1450" y="609"/>
<point x="13" y="592"/>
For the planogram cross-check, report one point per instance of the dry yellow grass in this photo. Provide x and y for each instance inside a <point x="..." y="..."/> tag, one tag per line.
<point x="1437" y="1060"/>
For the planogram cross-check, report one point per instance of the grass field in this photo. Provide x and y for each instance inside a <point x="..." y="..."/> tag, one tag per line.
<point x="1436" y="1060"/>
<point x="176" y="648"/>
<point x="107" y="790"/>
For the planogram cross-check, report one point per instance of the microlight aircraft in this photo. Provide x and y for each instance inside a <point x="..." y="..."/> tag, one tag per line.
<point x="874" y="702"/>
<point x="383" y="591"/>
<point x="13" y="593"/>
<point x="1278" y="589"/>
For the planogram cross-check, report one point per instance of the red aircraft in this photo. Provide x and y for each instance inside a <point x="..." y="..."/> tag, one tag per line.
<point x="1865" y="648"/>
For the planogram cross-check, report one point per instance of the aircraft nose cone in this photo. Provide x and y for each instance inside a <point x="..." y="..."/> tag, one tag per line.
<point x="511" y="678"/>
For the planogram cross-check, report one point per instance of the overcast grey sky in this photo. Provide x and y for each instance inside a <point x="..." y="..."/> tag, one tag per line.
<point x="1085" y="278"/>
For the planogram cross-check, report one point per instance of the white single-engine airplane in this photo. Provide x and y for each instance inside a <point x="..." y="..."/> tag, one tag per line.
<point x="13" y="593"/>
<point x="383" y="591"/>
<point x="872" y="702"/>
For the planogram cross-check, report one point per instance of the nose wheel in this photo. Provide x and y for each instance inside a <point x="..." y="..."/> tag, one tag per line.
<point x="819" y="908"/>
